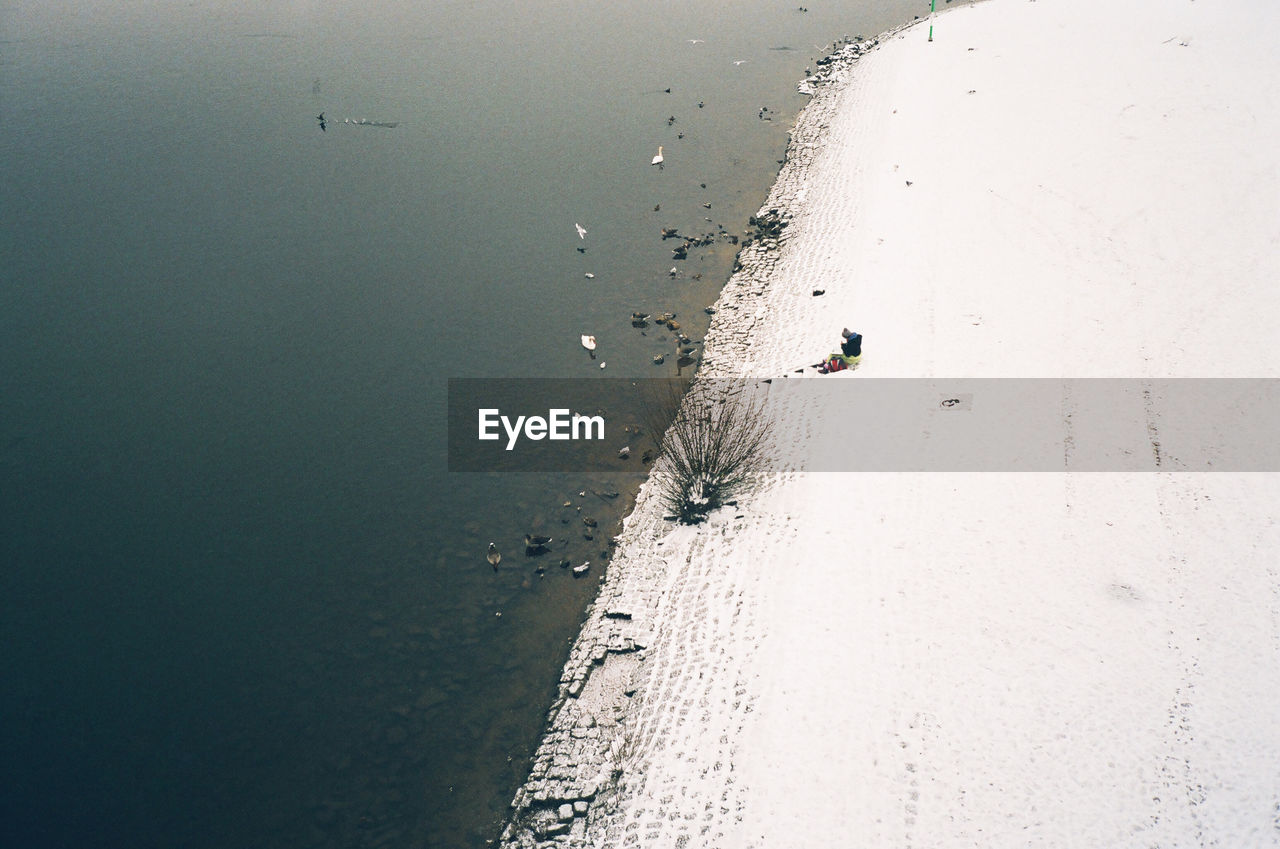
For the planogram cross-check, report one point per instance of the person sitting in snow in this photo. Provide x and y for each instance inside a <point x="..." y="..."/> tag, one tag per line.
<point x="852" y="344"/>
<point x="849" y="356"/>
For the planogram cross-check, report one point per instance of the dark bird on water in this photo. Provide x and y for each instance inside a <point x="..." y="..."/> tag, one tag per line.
<point x="494" y="556"/>
<point x="535" y="544"/>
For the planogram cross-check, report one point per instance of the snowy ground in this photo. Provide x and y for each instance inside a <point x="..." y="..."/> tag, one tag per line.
<point x="993" y="659"/>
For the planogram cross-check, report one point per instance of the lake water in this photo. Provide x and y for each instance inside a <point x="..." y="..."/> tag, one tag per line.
<point x="242" y="601"/>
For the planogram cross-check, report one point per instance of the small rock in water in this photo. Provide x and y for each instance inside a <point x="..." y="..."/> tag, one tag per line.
<point x="579" y="571"/>
<point x="659" y="359"/>
<point x="625" y="452"/>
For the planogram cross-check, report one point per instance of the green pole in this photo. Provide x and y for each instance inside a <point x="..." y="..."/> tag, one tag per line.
<point x="932" y="5"/>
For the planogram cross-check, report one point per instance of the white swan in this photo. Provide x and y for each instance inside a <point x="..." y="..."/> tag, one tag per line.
<point x="582" y="231"/>
<point x="589" y="342"/>
<point x="657" y="160"/>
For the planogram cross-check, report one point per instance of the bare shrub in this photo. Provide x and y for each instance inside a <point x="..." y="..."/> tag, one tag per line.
<point x="712" y="445"/>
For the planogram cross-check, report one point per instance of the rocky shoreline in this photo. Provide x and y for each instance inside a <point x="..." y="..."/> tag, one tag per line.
<point x="578" y="765"/>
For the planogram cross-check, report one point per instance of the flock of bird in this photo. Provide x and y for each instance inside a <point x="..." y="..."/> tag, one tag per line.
<point x="685" y="347"/>
<point x="536" y="546"/>
<point x="533" y="546"/>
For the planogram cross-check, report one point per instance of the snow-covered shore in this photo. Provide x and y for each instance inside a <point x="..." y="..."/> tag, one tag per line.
<point x="1061" y="188"/>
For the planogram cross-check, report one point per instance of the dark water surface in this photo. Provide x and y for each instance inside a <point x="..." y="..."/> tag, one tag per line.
<point x="242" y="603"/>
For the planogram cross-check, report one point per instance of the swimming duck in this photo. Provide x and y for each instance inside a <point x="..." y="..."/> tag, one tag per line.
<point x="535" y="544"/>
